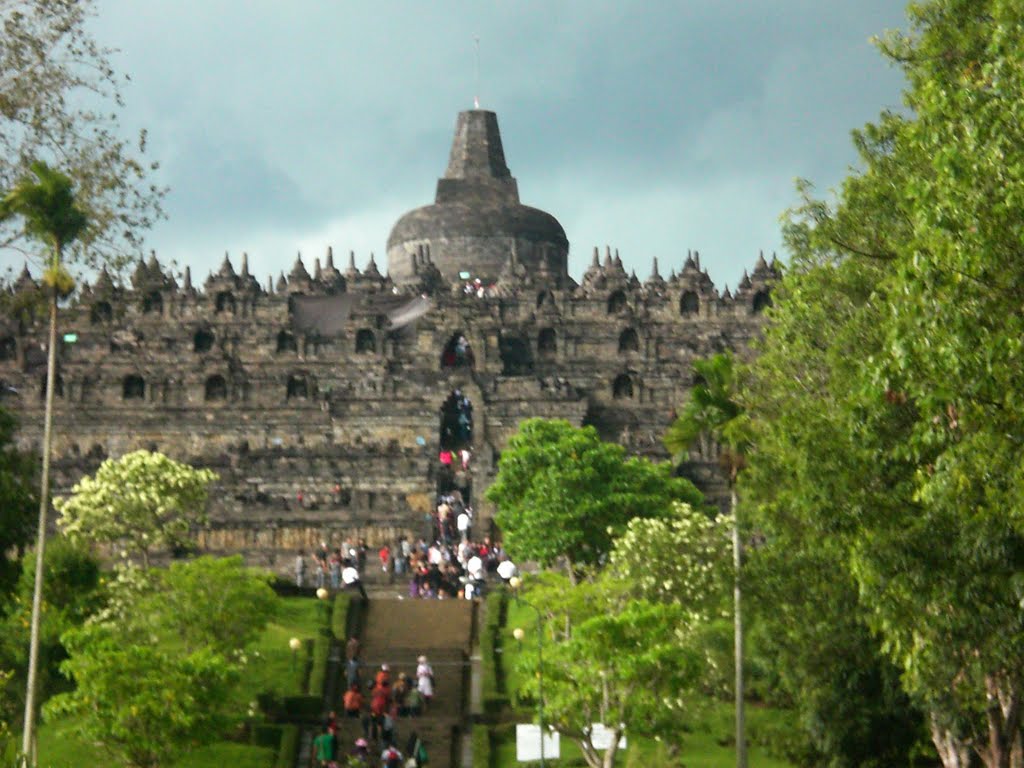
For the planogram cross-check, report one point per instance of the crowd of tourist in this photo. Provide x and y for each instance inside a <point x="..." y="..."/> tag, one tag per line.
<point x="378" y="705"/>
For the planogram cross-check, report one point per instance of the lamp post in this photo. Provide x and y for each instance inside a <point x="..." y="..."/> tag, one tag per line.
<point x="515" y="582"/>
<point x="294" y="644"/>
<point x="322" y="594"/>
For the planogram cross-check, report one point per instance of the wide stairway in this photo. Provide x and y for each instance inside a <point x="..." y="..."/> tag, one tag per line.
<point x="396" y="632"/>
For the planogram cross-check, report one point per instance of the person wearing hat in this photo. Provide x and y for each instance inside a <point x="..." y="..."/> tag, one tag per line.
<point x="361" y="753"/>
<point x="425" y="680"/>
<point x="391" y="757"/>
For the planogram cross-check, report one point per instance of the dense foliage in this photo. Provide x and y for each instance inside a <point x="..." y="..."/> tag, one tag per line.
<point x="564" y="493"/>
<point x="17" y="501"/>
<point x="155" y="670"/>
<point x="887" y="396"/>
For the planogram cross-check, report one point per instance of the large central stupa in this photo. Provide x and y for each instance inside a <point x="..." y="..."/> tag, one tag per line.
<point x="477" y="222"/>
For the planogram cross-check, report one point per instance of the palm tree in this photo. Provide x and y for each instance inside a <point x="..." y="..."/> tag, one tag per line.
<point x="46" y="203"/>
<point x="712" y="413"/>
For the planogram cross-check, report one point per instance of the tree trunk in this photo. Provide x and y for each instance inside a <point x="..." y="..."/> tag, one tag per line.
<point x="613" y="748"/>
<point x="1003" y="719"/>
<point x="953" y="752"/>
<point x="737" y="556"/>
<point x="590" y="755"/>
<point x="44" y="505"/>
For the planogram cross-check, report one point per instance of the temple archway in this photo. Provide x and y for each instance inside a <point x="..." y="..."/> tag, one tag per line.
<point x="616" y="302"/>
<point x="762" y="300"/>
<point x="286" y="342"/>
<point x="622" y="387"/>
<point x="216" y="388"/>
<point x="366" y="342"/>
<point x="202" y="341"/>
<point x="689" y="304"/>
<point x="133" y="387"/>
<point x="298" y="387"/>
<point x="547" y="342"/>
<point x="101" y="312"/>
<point x="225" y="302"/>
<point x="629" y="341"/>
<point x="153" y="303"/>
<point x="456" y="431"/>
<point x="457" y="352"/>
<point x="516" y="355"/>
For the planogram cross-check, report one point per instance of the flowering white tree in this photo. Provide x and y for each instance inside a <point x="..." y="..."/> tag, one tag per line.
<point x="142" y="501"/>
<point x="680" y="559"/>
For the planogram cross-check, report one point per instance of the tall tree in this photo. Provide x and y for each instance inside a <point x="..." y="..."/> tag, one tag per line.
<point x="923" y="242"/>
<point x="59" y="102"/>
<point x="50" y="214"/>
<point x="713" y="412"/>
<point x="564" y="493"/>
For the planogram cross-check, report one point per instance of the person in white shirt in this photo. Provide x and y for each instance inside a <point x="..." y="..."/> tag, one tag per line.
<point x="350" y="576"/>
<point x="462" y="522"/>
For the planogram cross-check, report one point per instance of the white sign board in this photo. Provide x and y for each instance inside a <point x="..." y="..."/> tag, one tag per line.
<point x="528" y="743"/>
<point x="601" y="737"/>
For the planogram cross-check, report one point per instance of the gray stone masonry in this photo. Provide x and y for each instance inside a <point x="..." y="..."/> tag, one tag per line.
<point x="326" y="434"/>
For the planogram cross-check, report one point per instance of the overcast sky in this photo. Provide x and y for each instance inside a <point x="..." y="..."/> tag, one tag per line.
<point x="655" y="127"/>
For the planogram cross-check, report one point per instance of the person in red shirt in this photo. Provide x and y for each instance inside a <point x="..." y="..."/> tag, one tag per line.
<point x="353" y="701"/>
<point x="383" y="678"/>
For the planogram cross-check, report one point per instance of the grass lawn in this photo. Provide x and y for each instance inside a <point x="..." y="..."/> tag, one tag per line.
<point x="270" y="668"/>
<point x="58" y="749"/>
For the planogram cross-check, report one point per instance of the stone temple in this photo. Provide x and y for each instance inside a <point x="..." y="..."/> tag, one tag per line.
<point x="322" y="400"/>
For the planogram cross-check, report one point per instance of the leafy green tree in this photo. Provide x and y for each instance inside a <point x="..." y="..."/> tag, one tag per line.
<point x="59" y="102"/>
<point x="142" y="502"/>
<point x="155" y="671"/>
<point x="713" y="413"/>
<point x="923" y="244"/>
<point x="17" y="501"/>
<point x="806" y="486"/>
<point x="630" y="664"/>
<point x="211" y="602"/>
<point x="72" y="593"/>
<point x="143" y="704"/>
<point x="564" y="493"/>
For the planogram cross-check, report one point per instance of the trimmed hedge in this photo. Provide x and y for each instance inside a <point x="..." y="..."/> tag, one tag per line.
<point x="340" y="619"/>
<point x="266" y="735"/>
<point x="318" y="669"/>
<point x="495" y="698"/>
<point x="304" y="709"/>
<point x="288" y="748"/>
<point x="481" y="738"/>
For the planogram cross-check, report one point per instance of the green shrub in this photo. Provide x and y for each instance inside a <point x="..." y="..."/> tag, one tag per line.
<point x="340" y="619"/>
<point x="495" y="699"/>
<point x="481" y="737"/>
<point x="318" y="670"/>
<point x="289" y="747"/>
<point x="266" y="735"/>
<point x="301" y="709"/>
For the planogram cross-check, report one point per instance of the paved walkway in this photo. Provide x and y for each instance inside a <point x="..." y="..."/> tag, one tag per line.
<point x="396" y="631"/>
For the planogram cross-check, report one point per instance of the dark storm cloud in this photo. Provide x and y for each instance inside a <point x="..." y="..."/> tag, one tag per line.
<point x="654" y="126"/>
